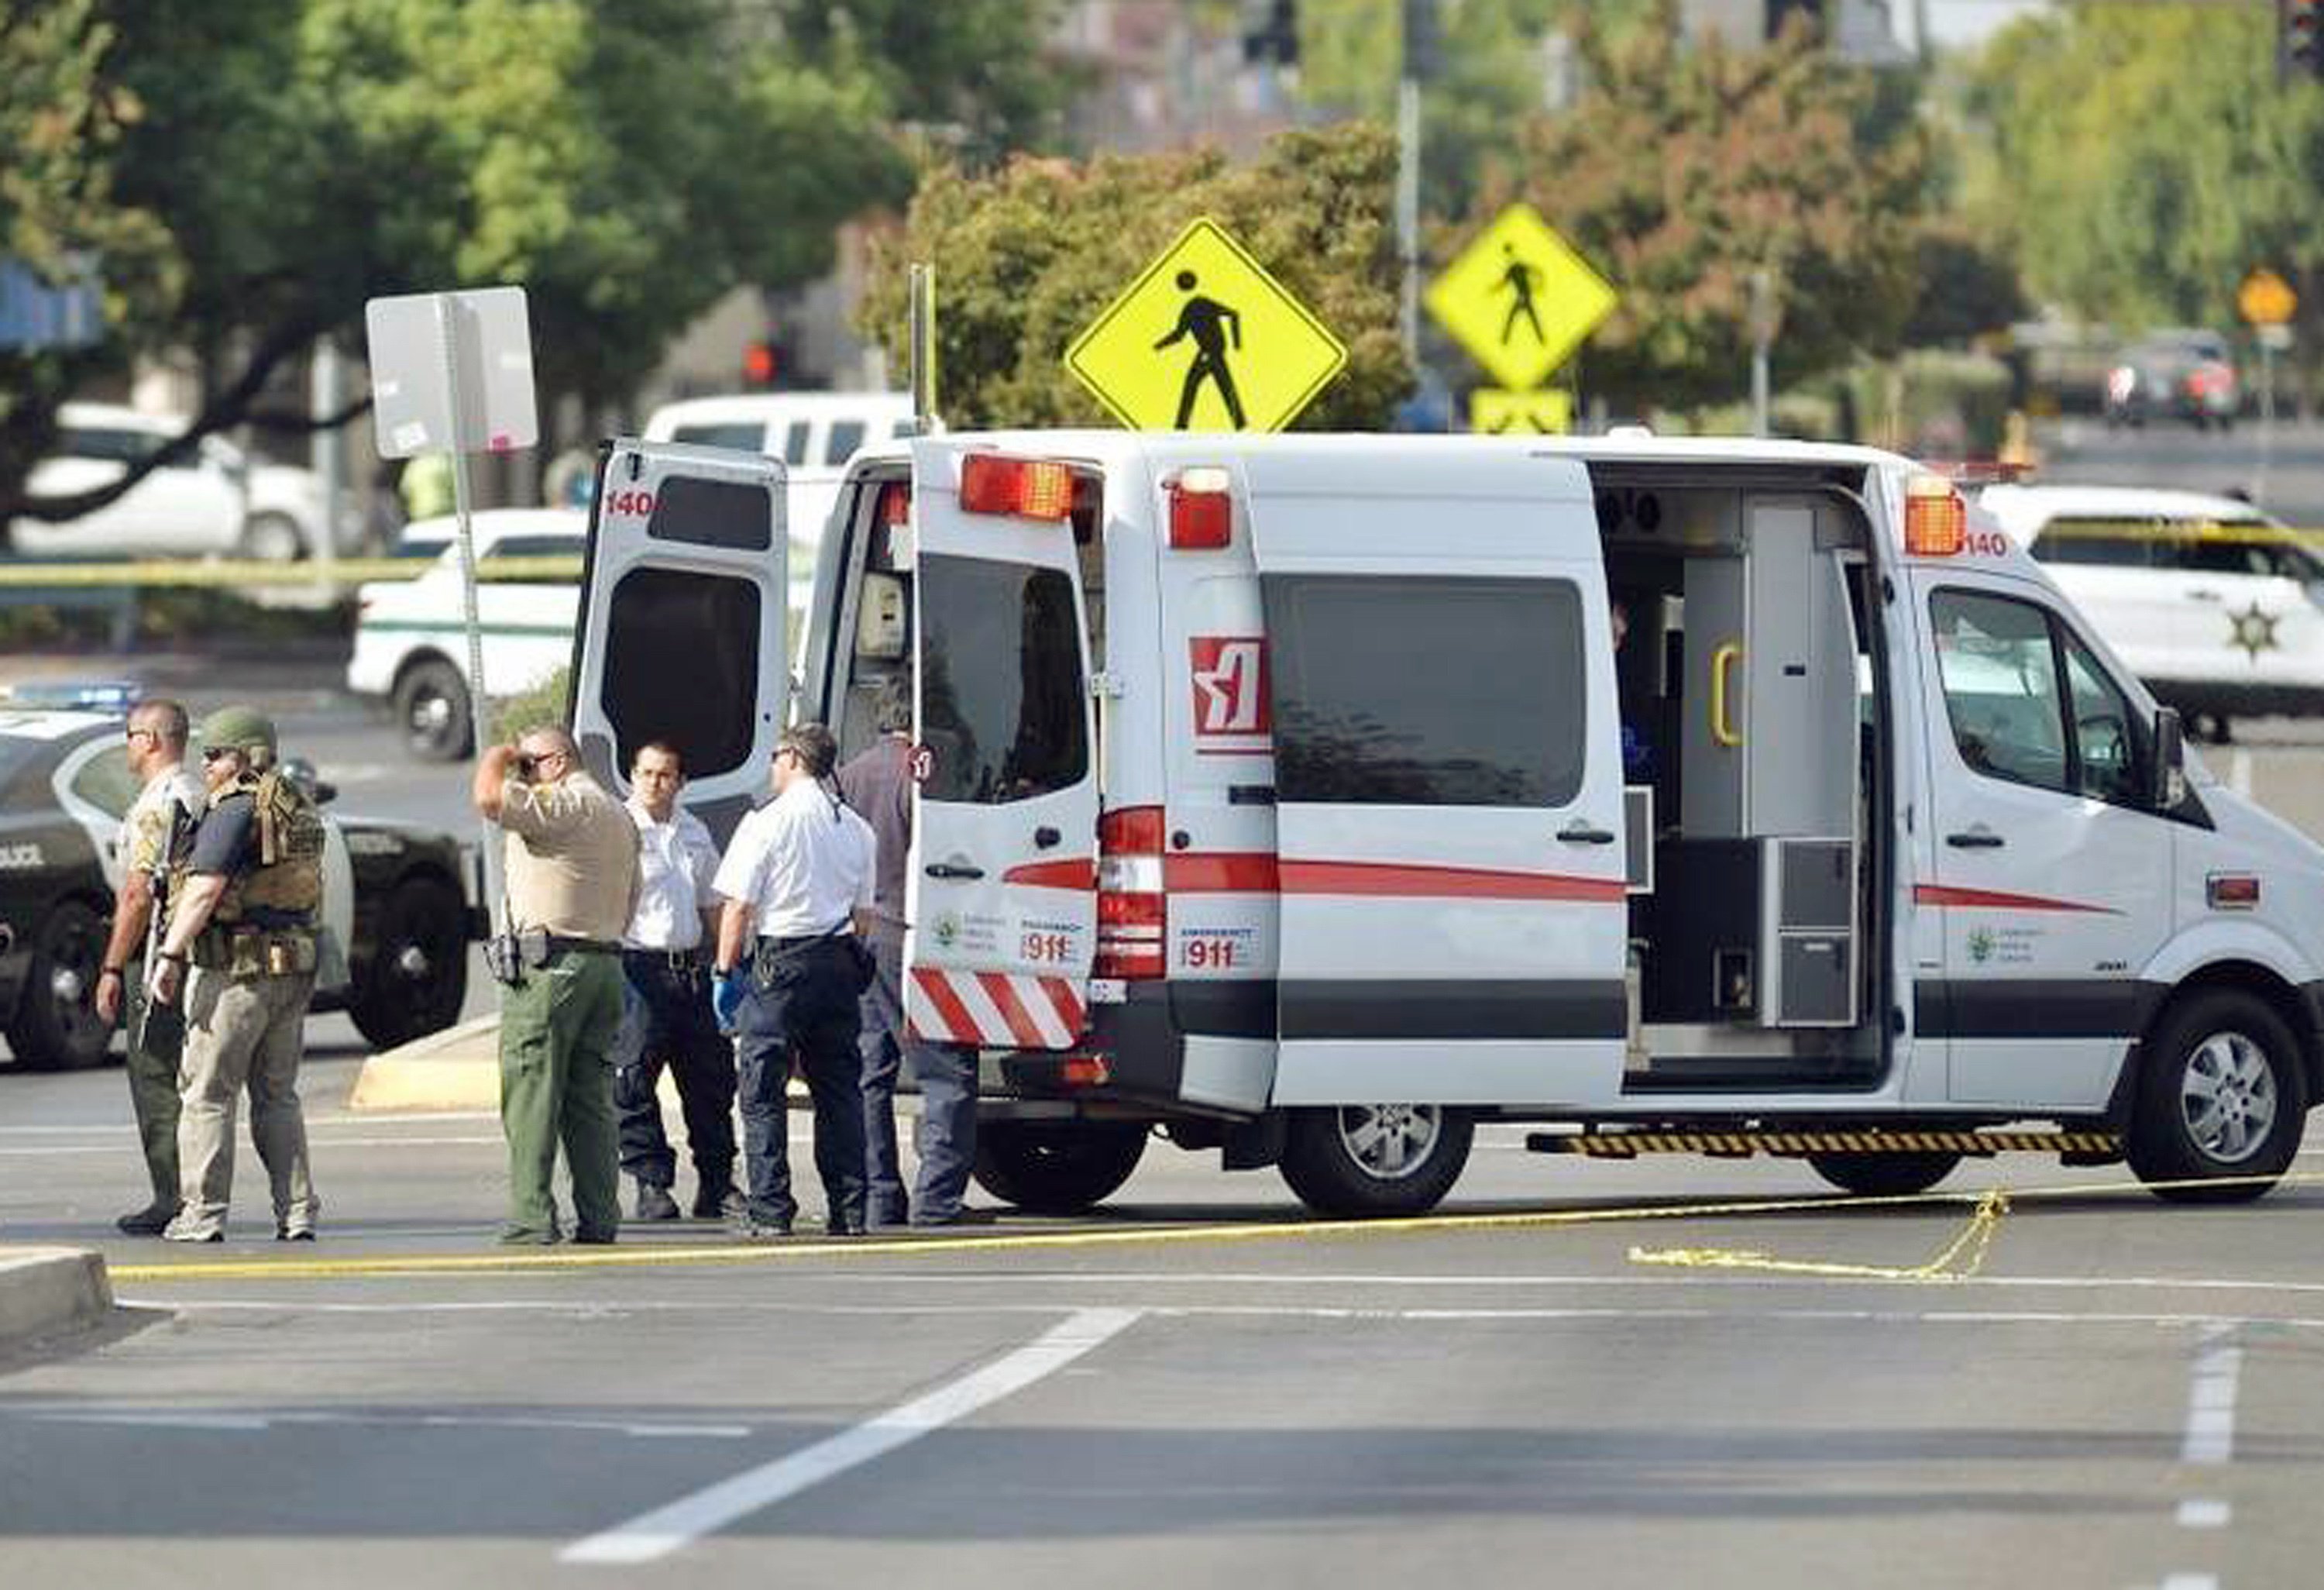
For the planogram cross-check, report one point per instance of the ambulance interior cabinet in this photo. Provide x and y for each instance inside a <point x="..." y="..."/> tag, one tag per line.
<point x="1753" y="932"/>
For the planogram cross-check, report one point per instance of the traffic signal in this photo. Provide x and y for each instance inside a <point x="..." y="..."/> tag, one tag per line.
<point x="761" y="363"/>
<point x="2298" y="41"/>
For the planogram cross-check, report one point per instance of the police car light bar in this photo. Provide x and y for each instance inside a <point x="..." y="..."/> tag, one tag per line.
<point x="1936" y="519"/>
<point x="1202" y="511"/>
<point x="1022" y="488"/>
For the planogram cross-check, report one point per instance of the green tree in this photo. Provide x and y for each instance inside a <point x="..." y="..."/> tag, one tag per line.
<point x="1028" y="256"/>
<point x="1685" y="169"/>
<point x="2142" y="165"/>
<point x="627" y="161"/>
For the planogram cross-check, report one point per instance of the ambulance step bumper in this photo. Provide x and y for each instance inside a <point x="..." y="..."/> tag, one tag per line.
<point x="2086" y="1147"/>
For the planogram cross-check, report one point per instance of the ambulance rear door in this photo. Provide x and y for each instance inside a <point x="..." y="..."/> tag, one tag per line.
<point x="1000" y="888"/>
<point x="682" y="631"/>
<point x="1448" y="784"/>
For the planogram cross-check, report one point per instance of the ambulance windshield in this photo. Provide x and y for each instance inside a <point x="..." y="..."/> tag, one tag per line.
<point x="1001" y="696"/>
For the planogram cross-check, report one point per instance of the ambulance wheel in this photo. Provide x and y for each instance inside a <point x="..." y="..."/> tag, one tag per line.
<point x="1357" y="1161"/>
<point x="2219" y="1100"/>
<point x="1056" y="1167"/>
<point x="1883" y="1176"/>
<point x="56" y="1027"/>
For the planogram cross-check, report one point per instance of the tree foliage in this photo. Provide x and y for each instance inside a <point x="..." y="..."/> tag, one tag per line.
<point x="2142" y="163"/>
<point x="1028" y="256"/>
<point x="627" y="161"/>
<point x="1685" y="169"/>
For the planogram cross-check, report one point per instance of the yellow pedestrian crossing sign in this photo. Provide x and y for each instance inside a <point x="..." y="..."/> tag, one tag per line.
<point x="1494" y="412"/>
<point x="1519" y="298"/>
<point x="1204" y="339"/>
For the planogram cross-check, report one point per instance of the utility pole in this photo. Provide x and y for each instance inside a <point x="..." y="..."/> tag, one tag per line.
<point x="1419" y="63"/>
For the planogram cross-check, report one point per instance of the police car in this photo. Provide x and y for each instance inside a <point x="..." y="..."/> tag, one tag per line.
<point x="2217" y="608"/>
<point x="392" y="894"/>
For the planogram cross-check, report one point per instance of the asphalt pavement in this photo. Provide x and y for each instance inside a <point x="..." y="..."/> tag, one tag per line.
<point x="1642" y="1374"/>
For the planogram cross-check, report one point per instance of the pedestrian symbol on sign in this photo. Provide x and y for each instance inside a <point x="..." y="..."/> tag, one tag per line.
<point x="1520" y="279"/>
<point x="1214" y="327"/>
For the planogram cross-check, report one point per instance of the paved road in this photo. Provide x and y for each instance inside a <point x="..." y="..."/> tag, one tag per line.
<point x="1196" y="1388"/>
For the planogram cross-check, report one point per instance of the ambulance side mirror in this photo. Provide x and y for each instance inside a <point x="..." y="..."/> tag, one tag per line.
<point x="2170" y="760"/>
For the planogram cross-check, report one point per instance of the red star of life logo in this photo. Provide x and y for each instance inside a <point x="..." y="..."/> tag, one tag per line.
<point x="1231" y="712"/>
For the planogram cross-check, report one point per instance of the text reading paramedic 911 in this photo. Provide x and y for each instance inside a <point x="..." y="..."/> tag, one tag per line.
<point x="1271" y="795"/>
<point x="393" y="897"/>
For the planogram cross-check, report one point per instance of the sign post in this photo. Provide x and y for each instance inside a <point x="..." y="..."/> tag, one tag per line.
<point x="1204" y="339"/>
<point x="452" y="372"/>
<point x="2267" y="302"/>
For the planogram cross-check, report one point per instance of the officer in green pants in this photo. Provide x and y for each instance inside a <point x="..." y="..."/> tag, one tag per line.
<point x="169" y="802"/>
<point x="572" y="854"/>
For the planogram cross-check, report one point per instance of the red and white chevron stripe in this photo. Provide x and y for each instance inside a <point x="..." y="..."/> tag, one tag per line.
<point x="996" y="1009"/>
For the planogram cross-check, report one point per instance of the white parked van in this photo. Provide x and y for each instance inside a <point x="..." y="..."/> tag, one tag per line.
<point x="1295" y="795"/>
<point x="2219" y="608"/>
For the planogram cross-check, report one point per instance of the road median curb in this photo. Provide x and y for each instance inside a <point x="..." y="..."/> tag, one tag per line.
<point x="459" y="1068"/>
<point x="48" y="1291"/>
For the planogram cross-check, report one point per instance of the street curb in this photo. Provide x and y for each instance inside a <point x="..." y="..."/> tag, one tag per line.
<point x="459" y="1068"/>
<point x="48" y="1291"/>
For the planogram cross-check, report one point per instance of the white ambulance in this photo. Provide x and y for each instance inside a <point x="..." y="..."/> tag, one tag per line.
<point x="1316" y="798"/>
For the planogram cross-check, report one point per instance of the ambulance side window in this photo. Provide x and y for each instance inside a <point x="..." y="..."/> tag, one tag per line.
<point x="2030" y="704"/>
<point x="1002" y="703"/>
<point x="1426" y="692"/>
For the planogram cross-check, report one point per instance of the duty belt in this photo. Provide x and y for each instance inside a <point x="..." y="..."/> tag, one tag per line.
<point x="676" y="960"/>
<point x="597" y="946"/>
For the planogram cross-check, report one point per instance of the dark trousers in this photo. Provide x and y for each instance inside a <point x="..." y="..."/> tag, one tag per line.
<point x="667" y="1021"/>
<point x="947" y="1075"/>
<point x="802" y="1003"/>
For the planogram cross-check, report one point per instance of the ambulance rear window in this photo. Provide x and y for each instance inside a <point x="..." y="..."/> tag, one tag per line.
<point x="1002" y="705"/>
<point x="1426" y="692"/>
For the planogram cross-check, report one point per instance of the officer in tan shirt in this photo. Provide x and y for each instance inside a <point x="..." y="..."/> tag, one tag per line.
<point x="572" y="854"/>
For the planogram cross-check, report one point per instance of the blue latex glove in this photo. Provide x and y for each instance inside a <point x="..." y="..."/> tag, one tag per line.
<point x="727" y="990"/>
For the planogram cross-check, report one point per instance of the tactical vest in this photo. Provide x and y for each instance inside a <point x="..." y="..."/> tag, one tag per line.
<point x="285" y="888"/>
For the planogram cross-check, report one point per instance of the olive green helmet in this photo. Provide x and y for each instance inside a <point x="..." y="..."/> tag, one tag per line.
<point x="239" y="728"/>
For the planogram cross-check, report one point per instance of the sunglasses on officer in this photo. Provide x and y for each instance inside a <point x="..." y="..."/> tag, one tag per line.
<point x="216" y="753"/>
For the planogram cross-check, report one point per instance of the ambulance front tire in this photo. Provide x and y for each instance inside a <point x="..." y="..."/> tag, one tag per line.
<point x="1883" y="1176"/>
<point x="2221" y="1101"/>
<point x="1363" y="1161"/>
<point x="1055" y="1167"/>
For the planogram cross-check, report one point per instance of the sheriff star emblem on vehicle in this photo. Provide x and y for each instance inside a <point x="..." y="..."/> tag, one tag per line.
<point x="2253" y="630"/>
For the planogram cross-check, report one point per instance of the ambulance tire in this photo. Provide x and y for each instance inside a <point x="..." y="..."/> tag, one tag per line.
<point x="1367" y="1162"/>
<point x="1056" y="1167"/>
<point x="1883" y="1176"/>
<point x="2227" y="1049"/>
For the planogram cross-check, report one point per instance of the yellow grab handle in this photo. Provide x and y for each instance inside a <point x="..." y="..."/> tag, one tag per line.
<point x="1722" y="731"/>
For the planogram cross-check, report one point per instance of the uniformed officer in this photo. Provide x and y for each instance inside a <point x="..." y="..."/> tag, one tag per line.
<point x="794" y="886"/>
<point x="571" y="856"/>
<point x="242" y="916"/>
<point x="666" y="1016"/>
<point x="877" y="781"/>
<point x="170" y="801"/>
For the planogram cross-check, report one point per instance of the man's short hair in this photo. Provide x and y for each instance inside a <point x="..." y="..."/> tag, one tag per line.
<point x="892" y="712"/>
<point x="666" y="748"/>
<point x="167" y="718"/>
<point x="812" y="744"/>
<point x="553" y="738"/>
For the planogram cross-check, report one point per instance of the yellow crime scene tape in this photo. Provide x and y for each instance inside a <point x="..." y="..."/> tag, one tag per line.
<point x="1983" y="1219"/>
<point x="2246" y="532"/>
<point x="245" y="572"/>
<point x="1967" y="1251"/>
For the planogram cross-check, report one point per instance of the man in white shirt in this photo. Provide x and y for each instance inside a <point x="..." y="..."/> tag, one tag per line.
<point x="794" y="894"/>
<point x="666" y="1016"/>
<point x="171" y="802"/>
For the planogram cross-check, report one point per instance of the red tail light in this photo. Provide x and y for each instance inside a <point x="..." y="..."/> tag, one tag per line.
<point x="1201" y="510"/>
<point x="1024" y="488"/>
<point x="1133" y="913"/>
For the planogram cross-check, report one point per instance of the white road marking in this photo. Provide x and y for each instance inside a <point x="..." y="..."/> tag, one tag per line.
<point x="2239" y="772"/>
<point x="920" y="1278"/>
<point x="602" y="1309"/>
<point x="2211" y="1400"/>
<point x="665" y="1529"/>
<point x="2192" y="1582"/>
<point x="2205" y="1513"/>
<point x="162" y="1419"/>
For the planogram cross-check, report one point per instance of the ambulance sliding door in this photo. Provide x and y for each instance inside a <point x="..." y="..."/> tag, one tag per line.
<point x="1448" y="787"/>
